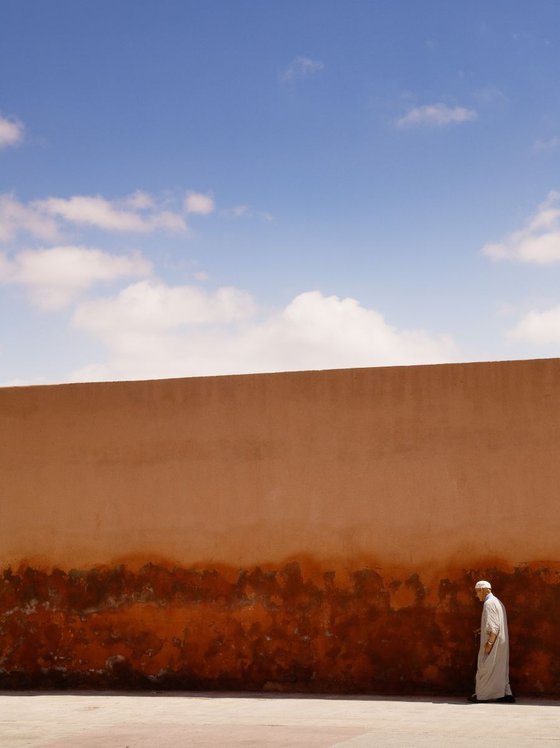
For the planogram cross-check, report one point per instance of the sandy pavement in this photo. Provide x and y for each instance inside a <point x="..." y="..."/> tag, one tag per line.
<point x="173" y="720"/>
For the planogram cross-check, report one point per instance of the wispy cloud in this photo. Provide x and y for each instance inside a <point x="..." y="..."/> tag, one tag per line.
<point x="538" y="242"/>
<point x="200" y="204"/>
<point x="435" y="115"/>
<point x="547" y="145"/>
<point x="245" y="211"/>
<point x="56" y="277"/>
<point x="237" y="211"/>
<point x="134" y="214"/>
<point x="151" y="329"/>
<point x="11" y="132"/>
<point x="139" y="200"/>
<point x="46" y="219"/>
<point x="301" y="67"/>
<point x="16" y="218"/>
<point x="488" y="95"/>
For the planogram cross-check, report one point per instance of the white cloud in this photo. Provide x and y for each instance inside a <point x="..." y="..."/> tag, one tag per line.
<point x="540" y="328"/>
<point x="45" y="219"/>
<point x="127" y="216"/>
<point x="15" y="217"/>
<point x="301" y="67"/>
<point x="200" y="204"/>
<point x="56" y="277"/>
<point x="151" y="305"/>
<point x="317" y="331"/>
<point x="11" y="132"/>
<point x="436" y="115"/>
<point x="152" y="330"/>
<point x="139" y="200"/>
<point x="538" y="242"/>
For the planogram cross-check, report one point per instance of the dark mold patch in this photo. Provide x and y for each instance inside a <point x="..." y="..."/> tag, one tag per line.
<point x="275" y="629"/>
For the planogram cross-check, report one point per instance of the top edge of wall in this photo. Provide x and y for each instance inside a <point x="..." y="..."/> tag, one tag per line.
<point x="288" y="373"/>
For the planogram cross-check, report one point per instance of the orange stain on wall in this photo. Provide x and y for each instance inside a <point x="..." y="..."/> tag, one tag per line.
<point x="169" y="627"/>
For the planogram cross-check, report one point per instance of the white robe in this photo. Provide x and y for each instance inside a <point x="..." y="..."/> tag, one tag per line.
<point x="492" y="674"/>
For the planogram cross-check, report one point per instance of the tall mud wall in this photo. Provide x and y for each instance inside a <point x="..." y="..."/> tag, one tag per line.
<point x="313" y="531"/>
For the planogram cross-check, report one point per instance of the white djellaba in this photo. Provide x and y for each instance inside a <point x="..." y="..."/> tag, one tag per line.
<point x="492" y="674"/>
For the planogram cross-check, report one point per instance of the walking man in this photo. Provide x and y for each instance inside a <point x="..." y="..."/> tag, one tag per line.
<point x="492" y="674"/>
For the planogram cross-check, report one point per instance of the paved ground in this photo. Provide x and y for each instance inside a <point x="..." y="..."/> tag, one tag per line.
<point x="174" y="720"/>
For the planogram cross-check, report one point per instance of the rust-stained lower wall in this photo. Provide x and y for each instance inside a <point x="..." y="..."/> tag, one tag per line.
<point x="292" y="627"/>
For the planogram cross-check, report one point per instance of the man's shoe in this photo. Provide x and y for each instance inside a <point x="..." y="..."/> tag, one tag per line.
<point x="507" y="699"/>
<point x="474" y="700"/>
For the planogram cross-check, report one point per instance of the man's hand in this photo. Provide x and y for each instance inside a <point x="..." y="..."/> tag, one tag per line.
<point x="488" y="645"/>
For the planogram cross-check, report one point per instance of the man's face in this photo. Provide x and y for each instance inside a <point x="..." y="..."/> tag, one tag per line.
<point x="481" y="594"/>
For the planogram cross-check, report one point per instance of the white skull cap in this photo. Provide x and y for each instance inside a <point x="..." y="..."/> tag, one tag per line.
<point x="483" y="585"/>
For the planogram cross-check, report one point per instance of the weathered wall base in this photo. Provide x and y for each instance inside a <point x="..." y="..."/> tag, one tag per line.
<point x="296" y="627"/>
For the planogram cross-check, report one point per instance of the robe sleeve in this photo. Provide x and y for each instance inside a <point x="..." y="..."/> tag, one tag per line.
<point x="492" y="620"/>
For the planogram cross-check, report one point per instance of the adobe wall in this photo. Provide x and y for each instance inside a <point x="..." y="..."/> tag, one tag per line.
<point x="312" y="531"/>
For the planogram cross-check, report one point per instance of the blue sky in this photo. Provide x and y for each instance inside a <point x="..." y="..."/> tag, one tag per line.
<point x="227" y="186"/>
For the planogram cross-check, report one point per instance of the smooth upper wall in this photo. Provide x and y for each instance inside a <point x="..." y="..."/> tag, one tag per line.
<point x="411" y="464"/>
<point x="431" y="474"/>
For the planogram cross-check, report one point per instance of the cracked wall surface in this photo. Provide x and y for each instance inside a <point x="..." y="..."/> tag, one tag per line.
<point x="312" y="532"/>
